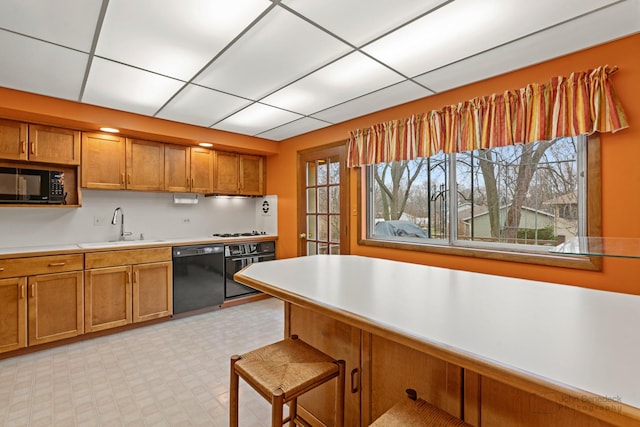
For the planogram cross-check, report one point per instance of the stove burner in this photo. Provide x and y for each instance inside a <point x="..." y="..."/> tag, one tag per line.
<point x="249" y="233"/>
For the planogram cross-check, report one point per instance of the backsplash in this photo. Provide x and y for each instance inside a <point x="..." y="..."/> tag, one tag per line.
<point x="153" y="214"/>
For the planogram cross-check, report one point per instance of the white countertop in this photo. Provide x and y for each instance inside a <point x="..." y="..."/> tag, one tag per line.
<point x="565" y="335"/>
<point x="88" y="246"/>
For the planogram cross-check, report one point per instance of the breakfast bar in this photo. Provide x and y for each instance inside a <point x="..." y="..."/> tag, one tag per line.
<point x="489" y="349"/>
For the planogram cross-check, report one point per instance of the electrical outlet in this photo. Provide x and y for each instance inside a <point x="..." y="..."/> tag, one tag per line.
<point x="186" y="220"/>
<point x="99" y="221"/>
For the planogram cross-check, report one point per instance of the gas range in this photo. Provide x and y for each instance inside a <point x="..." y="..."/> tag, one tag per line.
<point x="245" y="234"/>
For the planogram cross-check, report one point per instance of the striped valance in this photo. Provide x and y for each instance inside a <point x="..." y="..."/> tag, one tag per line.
<point x="583" y="103"/>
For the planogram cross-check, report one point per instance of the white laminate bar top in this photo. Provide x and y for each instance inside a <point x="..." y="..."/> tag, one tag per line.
<point x="575" y="337"/>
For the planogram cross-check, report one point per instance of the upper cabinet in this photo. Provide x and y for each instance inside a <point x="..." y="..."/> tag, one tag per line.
<point x="145" y="165"/>
<point x="37" y="143"/>
<point x="201" y="170"/>
<point x="239" y="174"/>
<point x="103" y="161"/>
<point x="188" y="169"/>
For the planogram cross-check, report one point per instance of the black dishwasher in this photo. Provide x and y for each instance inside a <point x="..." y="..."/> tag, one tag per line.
<point x="198" y="278"/>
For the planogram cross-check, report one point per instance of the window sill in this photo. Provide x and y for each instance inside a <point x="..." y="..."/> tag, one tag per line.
<point x="540" y="258"/>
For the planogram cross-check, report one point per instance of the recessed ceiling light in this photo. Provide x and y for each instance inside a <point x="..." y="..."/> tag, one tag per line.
<point x="112" y="130"/>
<point x="205" y="144"/>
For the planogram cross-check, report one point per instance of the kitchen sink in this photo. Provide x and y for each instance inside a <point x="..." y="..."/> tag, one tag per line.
<point x="117" y="243"/>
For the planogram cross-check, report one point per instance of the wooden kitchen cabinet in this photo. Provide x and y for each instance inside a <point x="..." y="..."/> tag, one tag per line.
<point x="177" y="168"/>
<point x="201" y="170"/>
<point x="340" y="341"/>
<point x="127" y="286"/>
<point x="103" y="161"/>
<point x="239" y="174"/>
<point x="38" y="143"/>
<point x="145" y="165"/>
<point x="55" y="307"/>
<point x="13" y="314"/>
<point x="54" y="145"/>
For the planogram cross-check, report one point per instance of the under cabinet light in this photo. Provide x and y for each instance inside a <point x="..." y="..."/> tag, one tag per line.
<point x="205" y="144"/>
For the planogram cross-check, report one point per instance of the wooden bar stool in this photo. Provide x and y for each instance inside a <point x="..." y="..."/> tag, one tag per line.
<point x="416" y="412"/>
<point x="283" y="371"/>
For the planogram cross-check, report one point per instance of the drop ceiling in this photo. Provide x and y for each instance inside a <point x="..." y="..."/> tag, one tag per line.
<point x="277" y="69"/>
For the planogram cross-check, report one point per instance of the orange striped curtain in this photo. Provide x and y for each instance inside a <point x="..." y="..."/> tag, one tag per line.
<point x="583" y="103"/>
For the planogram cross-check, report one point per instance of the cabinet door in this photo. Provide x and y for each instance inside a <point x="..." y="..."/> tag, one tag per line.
<point x="13" y="140"/>
<point x="226" y="173"/>
<point x="54" y="145"/>
<point x="201" y="170"/>
<point x="13" y="312"/>
<point x="177" y="168"/>
<point x="152" y="291"/>
<point x="107" y="298"/>
<point x="55" y="307"/>
<point x="103" y="161"/>
<point x="145" y="165"/>
<point x="252" y="175"/>
<point x="340" y="341"/>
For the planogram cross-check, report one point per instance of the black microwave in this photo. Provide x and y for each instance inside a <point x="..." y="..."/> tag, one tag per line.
<point x="18" y="185"/>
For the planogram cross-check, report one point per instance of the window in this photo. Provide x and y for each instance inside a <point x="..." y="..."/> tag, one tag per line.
<point x="521" y="198"/>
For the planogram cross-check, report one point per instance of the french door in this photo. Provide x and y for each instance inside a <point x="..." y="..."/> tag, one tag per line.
<point x="323" y="195"/>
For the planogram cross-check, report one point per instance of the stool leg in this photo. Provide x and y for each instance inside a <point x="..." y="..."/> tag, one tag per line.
<point x="293" y="411"/>
<point x="340" y="384"/>
<point x="277" y="403"/>
<point x="233" y="393"/>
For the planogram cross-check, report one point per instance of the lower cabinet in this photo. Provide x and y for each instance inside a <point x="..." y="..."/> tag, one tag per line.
<point x="123" y="287"/>
<point x="378" y="370"/>
<point x="55" y="307"/>
<point x="41" y="300"/>
<point x="13" y="314"/>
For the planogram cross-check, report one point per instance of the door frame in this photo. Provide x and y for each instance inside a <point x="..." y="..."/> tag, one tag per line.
<point x="329" y="150"/>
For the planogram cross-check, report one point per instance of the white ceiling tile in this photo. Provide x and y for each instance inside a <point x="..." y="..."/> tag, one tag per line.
<point x="173" y="38"/>
<point x="360" y="21"/>
<point x="268" y="57"/>
<point x="622" y="18"/>
<point x="34" y="66"/>
<point x="466" y="27"/>
<point x="69" y="23"/>
<point x="347" y="78"/>
<point x="201" y="106"/>
<point x="298" y="127"/>
<point x="388" y="97"/>
<point x="126" y="88"/>
<point x="256" y="119"/>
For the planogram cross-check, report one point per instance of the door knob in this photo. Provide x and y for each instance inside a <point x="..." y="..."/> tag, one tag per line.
<point x="303" y="235"/>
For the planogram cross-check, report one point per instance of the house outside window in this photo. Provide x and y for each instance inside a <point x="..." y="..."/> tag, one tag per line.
<point x="524" y="197"/>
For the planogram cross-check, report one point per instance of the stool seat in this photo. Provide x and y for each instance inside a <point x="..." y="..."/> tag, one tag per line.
<point x="416" y="412"/>
<point x="283" y="371"/>
<point x="290" y="366"/>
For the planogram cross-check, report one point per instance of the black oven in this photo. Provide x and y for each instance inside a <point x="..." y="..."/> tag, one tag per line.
<point x="18" y="185"/>
<point x="239" y="255"/>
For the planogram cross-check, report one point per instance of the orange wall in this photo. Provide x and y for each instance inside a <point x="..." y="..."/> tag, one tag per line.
<point x="620" y="171"/>
<point x="57" y="112"/>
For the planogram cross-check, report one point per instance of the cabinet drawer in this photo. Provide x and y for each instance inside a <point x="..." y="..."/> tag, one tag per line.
<point x="126" y="257"/>
<point x="17" y="267"/>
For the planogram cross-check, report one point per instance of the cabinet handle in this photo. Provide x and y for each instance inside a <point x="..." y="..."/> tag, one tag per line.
<point x="136" y="277"/>
<point x="192" y="183"/>
<point x="33" y="147"/>
<point x="355" y="384"/>
<point x="129" y="178"/>
<point x="24" y="147"/>
<point x="22" y="292"/>
<point x="1" y="268"/>
<point x="128" y="277"/>
<point x="57" y="264"/>
<point x="33" y="290"/>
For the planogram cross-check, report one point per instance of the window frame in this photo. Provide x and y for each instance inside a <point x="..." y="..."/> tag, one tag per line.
<point x="460" y="248"/>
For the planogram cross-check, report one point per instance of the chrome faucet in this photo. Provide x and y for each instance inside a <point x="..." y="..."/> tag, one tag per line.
<point x="114" y="221"/>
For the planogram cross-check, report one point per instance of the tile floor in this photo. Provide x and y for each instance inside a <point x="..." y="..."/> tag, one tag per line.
<point x="170" y="374"/>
